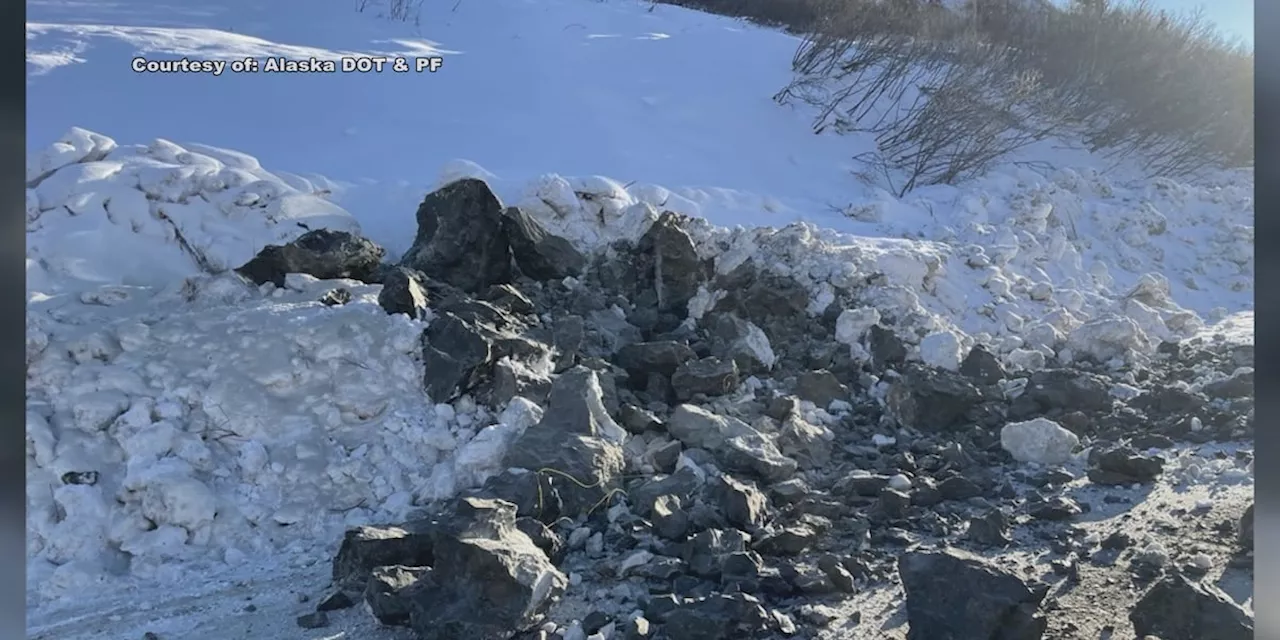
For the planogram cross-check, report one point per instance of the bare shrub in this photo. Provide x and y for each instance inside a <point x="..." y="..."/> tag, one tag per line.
<point x="947" y="94"/>
<point x="399" y="10"/>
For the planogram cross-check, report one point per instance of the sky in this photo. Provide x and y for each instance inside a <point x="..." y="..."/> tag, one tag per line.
<point x="1233" y="17"/>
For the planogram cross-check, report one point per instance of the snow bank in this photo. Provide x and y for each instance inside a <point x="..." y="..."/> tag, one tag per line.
<point x="1063" y="264"/>
<point x="99" y="213"/>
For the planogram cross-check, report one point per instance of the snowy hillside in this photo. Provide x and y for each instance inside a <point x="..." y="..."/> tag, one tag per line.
<point x="238" y="430"/>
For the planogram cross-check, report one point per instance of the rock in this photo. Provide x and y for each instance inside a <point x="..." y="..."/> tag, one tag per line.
<point x="989" y="529"/>
<point x="387" y="592"/>
<point x="460" y="239"/>
<point x="403" y="292"/>
<point x="1039" y="440"/>
<point x="315" y="620"/>
<point x="743" y="504"/>
<point x="1176" y="608"/>
<point x="959" y="488"/>
<point x="322" y="253"/>
<point x="887" y="349"/>
<point x="837" y="573"/>
<point x="808" y="444"/>
<point x="538" y="254"/>
<point x="498" y="582"/>
<point x="931" y="400"/>
<point x="336" y="297"/>
<point x="706" y="551"/>
<point x="893" y="504"/>
<point x="669" y="518"/>
<point x="1246" y="528"/>
<point x="575" y="448"/>
<point x="739" y="340"/>
<point x="982" y="366"/>
<point x="363" y="549"/>
<point x="787" y="541"/>
<point x="662" y="357"/>
<point x="734" y="442"/>
<point x="457" y="356"/>
<point x="1055" y="508"/>
<point x="861" y="483"/>
<point x="953" y="595"/>
<point x="1239" y="385"/>
<point x="683" y="484"/>
<point x="337" y="600"/>
<point x="1123" y="466"/>
<point x="677" y="272"/>
<point x="1059" y="388"/>
<point x="637" y="420"/>
<point x="708" y="376"/>
<point x="821" y="388"/>
<point x="543" y="537"/>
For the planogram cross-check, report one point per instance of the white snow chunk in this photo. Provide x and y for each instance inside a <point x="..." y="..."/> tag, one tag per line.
<point x="942" y="350"/>
<point x="1039" y="440"/>
<point x="853" y="324"/>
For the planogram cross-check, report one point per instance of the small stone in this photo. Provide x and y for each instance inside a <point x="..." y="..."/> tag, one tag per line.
<point x="316" y="620"/>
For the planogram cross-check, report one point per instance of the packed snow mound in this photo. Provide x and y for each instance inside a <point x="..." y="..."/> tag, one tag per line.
<point x="102" y="213"/>
<point x="1066" y="264"/>
<point x="218" y="423"/>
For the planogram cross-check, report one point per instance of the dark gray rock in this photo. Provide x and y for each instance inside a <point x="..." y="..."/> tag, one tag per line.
<point x="706" y="552"/>
<point x="575" y="448"/>
<point x="403" y="292"/>
<point x="684" y="484"/>
<point x="710" y="376"/>
<point x="336" y="297"/>
<point x="821" y="388"/>
<point x="931" y="400"/>
<point x="982" y="366"/>
<point x="743" y="504"/>
<point x="808" y="444"/>
<point x="886" y="348"/>
<point x="1176" y="608"/>
<point x="1057" y="389"/>
<point x="315" y="620"/>
<point x="322" y="253"/>
<point x="662" y="357"/>
<point x="365" y="548"/>
<point x="954" y="596"/>
<point x="677" y="272"/>
<point x="460" y="239"/>
<point x="539" y="254"/>
<point x="457" y="355"/>
<point x="787" y="541"/>
<point x="736" y="339"/>
<point x="989" y="529"/>
<point x="498" y="582"/>
<point x="669" y="518"/>
<point x="1055" y="508"/>
<point x="387" y="592"/>
<point x="1239" y="385"/>
<point x="1123" y="466"/>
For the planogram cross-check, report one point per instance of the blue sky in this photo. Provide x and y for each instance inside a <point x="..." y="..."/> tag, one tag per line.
<point x="1233" y="17"/>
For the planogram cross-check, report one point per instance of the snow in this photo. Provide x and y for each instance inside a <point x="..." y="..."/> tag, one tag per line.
<point x="237" y="431"/>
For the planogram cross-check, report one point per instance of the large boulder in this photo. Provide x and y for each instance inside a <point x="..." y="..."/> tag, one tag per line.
<point x="484" y="578"/>
<point x="460" y="239"/>
<point x="1178" y="609"/>
<point x="322" y="253"/>
<point x="575" y="450"/>
<point x="954" y="596"/>
<point x="539" y="254"/>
